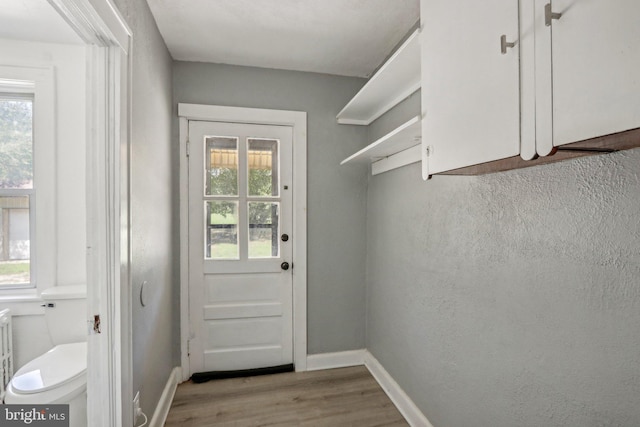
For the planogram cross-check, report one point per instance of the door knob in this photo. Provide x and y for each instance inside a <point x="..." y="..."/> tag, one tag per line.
<point x="284" y="265"/>
<point x="284" y="237"/>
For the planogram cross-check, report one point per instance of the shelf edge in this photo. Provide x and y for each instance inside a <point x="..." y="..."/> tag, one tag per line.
<point x="412" y="38"/>
<point x="402" y="158"/>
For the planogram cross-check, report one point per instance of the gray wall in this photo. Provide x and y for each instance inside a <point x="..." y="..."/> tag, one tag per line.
<point x="509" y="299"/>
<point x="402" y="112"/>
<point x="336" y="194"/>
<point x="153" y="216"/>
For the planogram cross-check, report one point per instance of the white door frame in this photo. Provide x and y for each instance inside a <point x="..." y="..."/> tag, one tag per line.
<point x="297" y="120"/>
<point x="108" y="39"/>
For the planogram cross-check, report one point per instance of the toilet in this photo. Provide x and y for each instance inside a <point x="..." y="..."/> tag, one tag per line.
<point x="60" y="375"/>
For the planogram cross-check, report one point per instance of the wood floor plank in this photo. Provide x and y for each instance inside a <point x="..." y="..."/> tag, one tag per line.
<point x="336" y="397"/>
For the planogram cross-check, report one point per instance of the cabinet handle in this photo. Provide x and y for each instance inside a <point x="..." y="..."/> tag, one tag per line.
<point x="549" y="15"/>
<point x="504" y="44"/>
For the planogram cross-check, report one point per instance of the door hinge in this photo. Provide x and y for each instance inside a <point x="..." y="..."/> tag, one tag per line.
<point x="188" y="347"/>
<point x="188" y="148"/>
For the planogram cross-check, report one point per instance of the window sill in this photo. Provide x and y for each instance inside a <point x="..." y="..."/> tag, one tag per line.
<point x="23" y="302"/>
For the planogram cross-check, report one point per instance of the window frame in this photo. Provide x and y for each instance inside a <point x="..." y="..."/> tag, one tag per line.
<point x="24" y="92"/>
<point x="37" y="82"/>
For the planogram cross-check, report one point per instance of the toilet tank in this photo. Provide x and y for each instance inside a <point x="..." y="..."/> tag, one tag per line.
<point x="65" y="313"/>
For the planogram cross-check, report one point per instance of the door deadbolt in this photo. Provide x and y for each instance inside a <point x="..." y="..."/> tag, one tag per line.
<point x="284" y="265"/>
<point x="284" y="237"/>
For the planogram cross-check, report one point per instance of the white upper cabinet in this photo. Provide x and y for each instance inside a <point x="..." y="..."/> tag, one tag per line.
<point x="470" y="82"/>
<point x="508" y="77"/>
<point x="594" y="69"/>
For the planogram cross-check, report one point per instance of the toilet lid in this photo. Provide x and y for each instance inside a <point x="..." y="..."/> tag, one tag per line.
<point x="59" y="365"/>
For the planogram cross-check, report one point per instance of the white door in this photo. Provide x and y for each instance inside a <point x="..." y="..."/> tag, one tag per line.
<point x="240" y="248"/>
<point x="470" y="85"/>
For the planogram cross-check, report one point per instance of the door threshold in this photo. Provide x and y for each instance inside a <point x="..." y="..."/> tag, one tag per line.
<point x="201" y="377"/>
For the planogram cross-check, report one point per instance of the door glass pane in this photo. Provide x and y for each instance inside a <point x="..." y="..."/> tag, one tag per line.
<point x="221" y="166"/>
<point x="15" y="245"/>
<point x="221" y="233"/>
<point x="264" y="239"/>
<point x="263" y="167"/>
<point x="16" y="143"/>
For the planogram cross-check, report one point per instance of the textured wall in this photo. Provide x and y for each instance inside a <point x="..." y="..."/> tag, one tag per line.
<point x="336" y="194"/>
<point x="510" y="299"/>
<point x="154" y="227"/>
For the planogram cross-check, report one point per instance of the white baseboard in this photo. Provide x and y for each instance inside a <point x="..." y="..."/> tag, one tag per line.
<point x="405" y="405"/>
<point x="162" y="409"/>
<point x="340" y="359"/>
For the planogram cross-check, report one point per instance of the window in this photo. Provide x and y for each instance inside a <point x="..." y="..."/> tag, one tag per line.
<point x="16" y="188"/>
<point x="225" y="203"/>
<point x="27" y="179"/>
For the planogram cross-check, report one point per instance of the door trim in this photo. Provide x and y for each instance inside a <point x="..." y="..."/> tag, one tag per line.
<point x="108" y="38"/>
<point x="298" y="121"/>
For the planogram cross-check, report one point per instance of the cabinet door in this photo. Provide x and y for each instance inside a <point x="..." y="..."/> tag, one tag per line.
<point x="470" y="90"/>
<point x="595" y="55"/>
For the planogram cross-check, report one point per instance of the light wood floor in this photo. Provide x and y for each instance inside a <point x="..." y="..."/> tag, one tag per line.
<point x="336" y="397"/>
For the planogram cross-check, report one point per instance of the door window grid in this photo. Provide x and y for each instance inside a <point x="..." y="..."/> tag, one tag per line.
<point x="221" y="166"/>
<point x="263" y="167"/>
<point x="229" y="223"/>
<point x="264" y="227"/>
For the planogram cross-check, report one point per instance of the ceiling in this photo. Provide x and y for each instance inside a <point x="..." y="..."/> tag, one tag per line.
<point x="34" y="20"/>
<point x="343" y="37"/>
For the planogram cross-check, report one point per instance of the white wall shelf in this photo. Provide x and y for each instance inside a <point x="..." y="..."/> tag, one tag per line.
<point x="395" y="149"/>
<point x="398" y="78"/>
<point x="403" y="158"/>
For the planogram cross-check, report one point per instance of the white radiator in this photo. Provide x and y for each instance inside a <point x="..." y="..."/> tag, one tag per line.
<point x="6" y="351"/>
